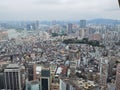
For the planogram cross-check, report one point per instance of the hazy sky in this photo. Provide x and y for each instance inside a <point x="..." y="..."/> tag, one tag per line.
<point x="58" y="9"/>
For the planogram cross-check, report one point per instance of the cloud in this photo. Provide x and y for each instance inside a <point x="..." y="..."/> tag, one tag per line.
<point x="58" y="9"/>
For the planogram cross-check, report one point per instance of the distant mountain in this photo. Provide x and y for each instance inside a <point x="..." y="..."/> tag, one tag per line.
<point x="103" y="21"/>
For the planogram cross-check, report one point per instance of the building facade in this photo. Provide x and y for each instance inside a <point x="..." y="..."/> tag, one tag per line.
<point x="82" y="23"/>
<point x="12" y="76"/>
<point x="118" y="78"/>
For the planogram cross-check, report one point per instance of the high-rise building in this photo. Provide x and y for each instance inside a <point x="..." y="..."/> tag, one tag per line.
<point x="28" y="27"/>
<point x="37" y="25"/>
<point x="103" y="73"/>
<point x="12" y="76"/>
<point x="82" y="33"/>
<point x="82" y="23"/>
<point x="1" y="80"/>
<point x="33" y="26"/>
<point x="62" y="85"/>
<point x="69" y="28"/>
<point x="32" y="85"/>
<point x="45" y="79"/>
<point x="118" y="77"/>
<point x="67" y="84"/>
<point x="31" y="72"/>
<point x="111" y="65"/>
<point x="54" y="78"/>
<point x="2" y="67"/>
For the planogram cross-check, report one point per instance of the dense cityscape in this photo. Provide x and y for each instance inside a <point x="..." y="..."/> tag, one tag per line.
<point x="60" y="45"/>
<point x="60" y="55"/>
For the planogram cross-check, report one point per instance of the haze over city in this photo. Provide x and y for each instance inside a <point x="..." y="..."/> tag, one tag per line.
<point x="59" y="45"/>
<point x="58" y="9"/>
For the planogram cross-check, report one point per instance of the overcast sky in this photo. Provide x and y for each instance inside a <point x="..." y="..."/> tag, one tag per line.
<point x="58" y="9"/>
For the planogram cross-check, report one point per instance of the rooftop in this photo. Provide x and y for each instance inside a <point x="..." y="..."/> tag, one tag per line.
<point x="12" y="66"/>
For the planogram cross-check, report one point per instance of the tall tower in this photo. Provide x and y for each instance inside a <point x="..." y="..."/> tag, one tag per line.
<point x="45" y="79"/>
<point x="37" y="25"/>
<point x="103" y="73"/>
<point x="31" y="72"/>
<point x="69" y="28"/>
<point x="82" y="23"/>
<point x="28" y="26"/>
<point x="118" y="77"/>
<point x="12" y="76"/>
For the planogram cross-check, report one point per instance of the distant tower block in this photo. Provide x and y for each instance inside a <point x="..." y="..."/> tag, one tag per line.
<point x="82" y="23"/>
<point x="69" y="28"/>
<point x="37" y="25"/>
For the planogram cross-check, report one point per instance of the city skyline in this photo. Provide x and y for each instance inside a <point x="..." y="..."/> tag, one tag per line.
<point x="56" y="9"/>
